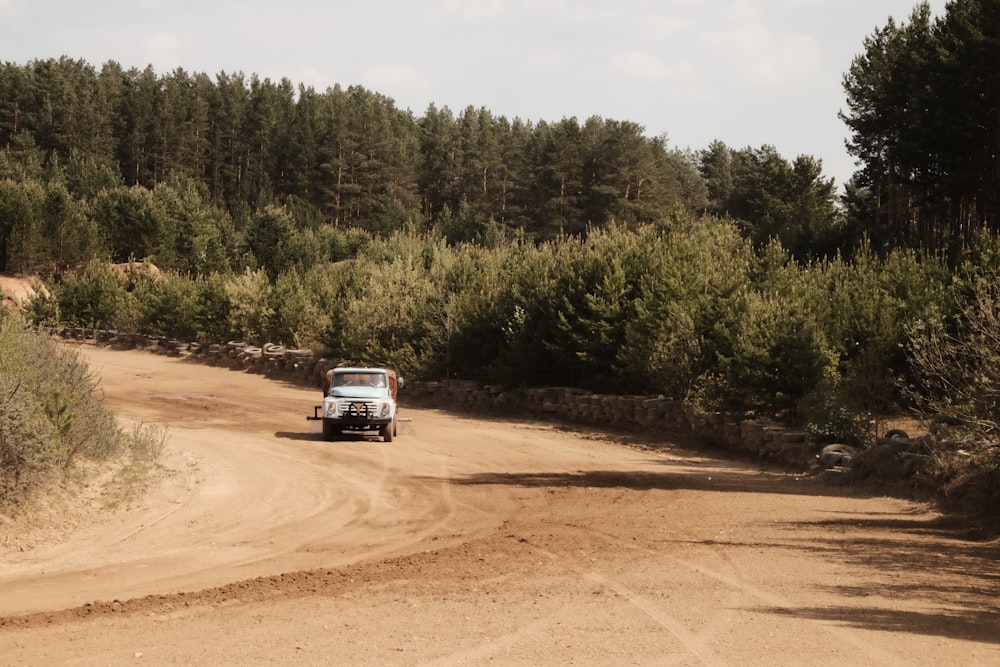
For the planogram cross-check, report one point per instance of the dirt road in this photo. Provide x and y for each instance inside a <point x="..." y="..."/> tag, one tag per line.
<point x="469" y="541"/>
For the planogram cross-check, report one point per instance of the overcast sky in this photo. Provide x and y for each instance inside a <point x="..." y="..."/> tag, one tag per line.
<point x="746" y="72"/>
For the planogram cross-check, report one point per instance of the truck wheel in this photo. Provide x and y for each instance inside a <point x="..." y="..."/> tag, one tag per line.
<point x="388" y="431"/>
<point x="330" y="431"/>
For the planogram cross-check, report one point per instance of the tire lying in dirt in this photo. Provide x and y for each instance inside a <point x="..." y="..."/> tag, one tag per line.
<point x="837" y="456"/>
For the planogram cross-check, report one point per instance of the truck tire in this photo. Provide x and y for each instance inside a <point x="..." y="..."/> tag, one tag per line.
<point x="388" y="431"/>
<point x="330" y="431"/>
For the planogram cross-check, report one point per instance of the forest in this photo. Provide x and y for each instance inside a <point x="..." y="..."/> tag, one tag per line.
<point x="117" y="146"/>
<point x="548" y="252"/>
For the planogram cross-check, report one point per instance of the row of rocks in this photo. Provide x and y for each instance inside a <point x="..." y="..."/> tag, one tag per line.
<point x="656" y="415"/>
<point x="300" y="366"/>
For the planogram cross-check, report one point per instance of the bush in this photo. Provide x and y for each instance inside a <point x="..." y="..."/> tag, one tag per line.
<point x="688" y="280"/>
<point x="956" y="365"/>
<point x="96" y="298"/>
<point x="955" y="384"/>
<point x="864" y="307"/>
<point x="251" y="309"/>
<point x="50" y="415"/>
<point x="777" y="355"/>
<point x="168" y="306"/>
<point x="295" y="312"/>
<point x="213" y="308"/>
<point x="832" y="413"/>
<point x="390" y="311"/>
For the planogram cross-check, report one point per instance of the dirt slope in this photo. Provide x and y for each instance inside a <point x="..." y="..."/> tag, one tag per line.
<point x="469" y="541"/>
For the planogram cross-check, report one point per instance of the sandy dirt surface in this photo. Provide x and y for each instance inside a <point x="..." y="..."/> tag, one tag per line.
<point x="470" y="541"/>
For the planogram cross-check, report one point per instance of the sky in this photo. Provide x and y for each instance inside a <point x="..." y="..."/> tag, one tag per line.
<point x="748" y="73"/>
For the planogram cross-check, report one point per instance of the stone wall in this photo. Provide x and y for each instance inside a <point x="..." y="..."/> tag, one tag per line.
<point x="653" y="415"/>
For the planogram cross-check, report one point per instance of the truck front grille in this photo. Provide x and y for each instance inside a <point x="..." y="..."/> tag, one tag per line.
<point x="362" y="409"/>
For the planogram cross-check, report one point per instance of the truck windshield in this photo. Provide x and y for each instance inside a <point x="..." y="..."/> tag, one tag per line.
<point x="359" y="380"/>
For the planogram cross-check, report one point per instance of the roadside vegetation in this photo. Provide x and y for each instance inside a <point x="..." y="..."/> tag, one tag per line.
<point x="54" y="425"/>
<point x="567" y="253"/>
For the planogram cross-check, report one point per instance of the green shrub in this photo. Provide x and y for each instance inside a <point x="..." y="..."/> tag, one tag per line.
<point x="298" y="318"/>
<point x="832" y="413"/>
<point x="688" y="280"/>
<point x="484" y="314"/>
<point x="777" y="355"/>
<point x="683" y="308"/>
<point x="195" y="236"/>
<point x="586" y="310"/>
<point x="168" y="306"/>
<point x="251" y="308"/>
<point x="50" y="414"/>
<point x="214" y="322"/>
<point x="388" y="312"/>
<point x="96" y="298"/>
<point x="865" y="307"/>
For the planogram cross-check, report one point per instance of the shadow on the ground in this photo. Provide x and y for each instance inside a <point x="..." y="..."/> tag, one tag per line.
<point x="977" y="625"/>
<point x="294" y="435"/>
<point x="938" y="562"/>
<point x="706" y="475"/>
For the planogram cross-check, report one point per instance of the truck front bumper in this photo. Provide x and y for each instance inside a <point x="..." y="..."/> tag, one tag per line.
<point x="356" y="423"/>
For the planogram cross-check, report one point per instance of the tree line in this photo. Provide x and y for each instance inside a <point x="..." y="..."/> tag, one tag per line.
<point x="182" y="168"/>
<point x="923" y="110"/>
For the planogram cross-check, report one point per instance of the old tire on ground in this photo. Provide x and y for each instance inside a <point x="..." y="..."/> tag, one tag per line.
<point x="837" y="455"/>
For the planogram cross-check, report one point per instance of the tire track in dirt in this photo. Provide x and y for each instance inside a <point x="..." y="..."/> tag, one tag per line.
<point x="726" y="573"/>
<point x="690" y="641"/>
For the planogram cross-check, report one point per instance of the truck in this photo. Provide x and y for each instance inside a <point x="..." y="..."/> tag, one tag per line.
<point x="358" y="400"/>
